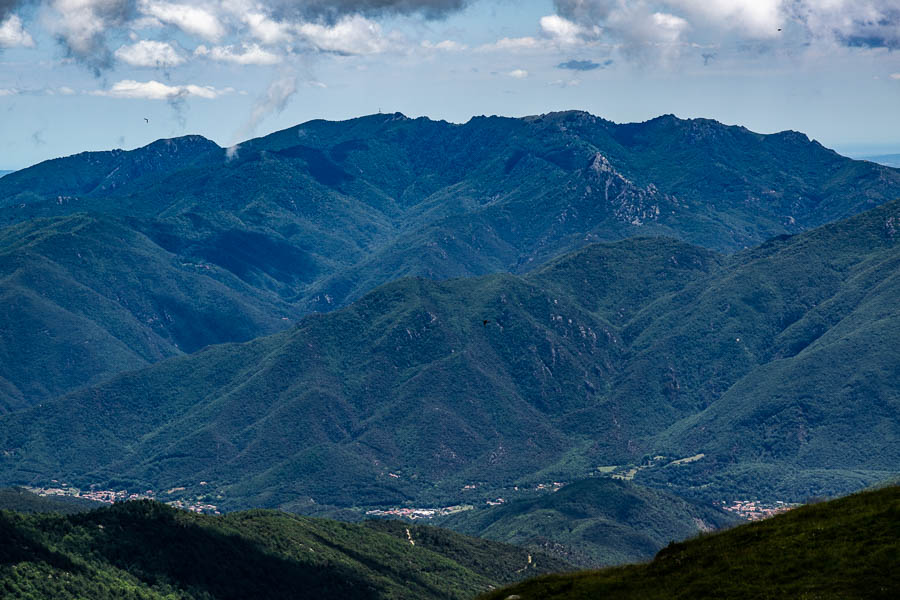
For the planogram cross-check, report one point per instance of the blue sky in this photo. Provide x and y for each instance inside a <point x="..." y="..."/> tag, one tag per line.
<point x="84" y="74"/>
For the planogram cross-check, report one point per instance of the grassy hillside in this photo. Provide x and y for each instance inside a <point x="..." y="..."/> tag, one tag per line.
<point x="315" y="216"/>
<point x="148" y="550"/>
<point x="593" y="522"/>
<point x="846" y="548"/>
<point x="632" y="356"/>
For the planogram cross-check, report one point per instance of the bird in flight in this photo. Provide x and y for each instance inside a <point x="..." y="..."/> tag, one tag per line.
<point x="146" y="119"/>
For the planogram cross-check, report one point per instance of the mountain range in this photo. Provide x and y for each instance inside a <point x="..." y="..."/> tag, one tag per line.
<point x="243" y="242"/>
<point x="768" y="372"/>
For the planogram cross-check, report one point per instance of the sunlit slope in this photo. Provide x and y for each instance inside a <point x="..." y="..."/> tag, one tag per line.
<point x="846" y="548"/>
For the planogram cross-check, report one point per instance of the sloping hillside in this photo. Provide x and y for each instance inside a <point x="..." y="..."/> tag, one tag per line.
<point x="148" y="550"/>
<point x="315" y="216"/>
<point x="593" y="522"/>
<point x="634" y="355"/>
<point x="846" y="548"/>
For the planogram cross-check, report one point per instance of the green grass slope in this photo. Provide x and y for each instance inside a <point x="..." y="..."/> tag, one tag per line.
<point x="149" y="550"/>
<point x="846" y="548"/>
<point x="593" y="522"/>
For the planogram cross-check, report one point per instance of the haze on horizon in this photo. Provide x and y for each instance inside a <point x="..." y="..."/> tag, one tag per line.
<point x="89" y="74"/>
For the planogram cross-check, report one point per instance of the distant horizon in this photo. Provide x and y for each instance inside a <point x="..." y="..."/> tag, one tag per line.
<point x="854" y="150"/>
<point x="233" y="69"/>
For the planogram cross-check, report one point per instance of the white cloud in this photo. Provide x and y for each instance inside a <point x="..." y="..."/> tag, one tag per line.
<point x="514" y="44"/>
<point x="895" y="75"/>
<point x="447" y="45"/>
<point x="13" y="34"/>
<point x="8" y="92"/>
<point x="865" y="23"/>
<point x="248" y="54"/>
<point x="351" y="35"/>
<point x="154" y="90"/>
<point x="149" y="53"/>
<point x="564" y="31"/>
<point x="66" y="90"/>
<point x="518" y="73"/>
<point x="82" y="26"/>
<point x="754" y="18"/>
<point x="267" y="30"/>
<point x="192" y="20"/>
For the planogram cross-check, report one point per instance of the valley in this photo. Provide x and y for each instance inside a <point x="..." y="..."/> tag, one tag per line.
<point x="577" y="339"/>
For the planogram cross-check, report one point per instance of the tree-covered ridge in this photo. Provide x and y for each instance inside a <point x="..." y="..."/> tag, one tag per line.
<point x="845" y="548"/>
<point x="82" y="297"/>
<point x="148" y="550"/>
<point x="21" y="500"/>
<point x="613" y="355"/>
<point x="594" y="522"/>
<point x="313" y="217"/>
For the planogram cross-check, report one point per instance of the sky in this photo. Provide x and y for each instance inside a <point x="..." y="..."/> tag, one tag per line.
<point x="81" y="75"/>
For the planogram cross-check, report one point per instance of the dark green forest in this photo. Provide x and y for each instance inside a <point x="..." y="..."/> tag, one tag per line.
<point x="147" y="550"/>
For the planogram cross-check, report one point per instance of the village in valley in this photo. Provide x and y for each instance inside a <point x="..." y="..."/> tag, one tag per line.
<point x="113" y="496"/>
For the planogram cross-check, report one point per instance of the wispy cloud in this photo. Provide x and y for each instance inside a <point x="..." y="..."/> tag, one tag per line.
<point x="518" y="73"/>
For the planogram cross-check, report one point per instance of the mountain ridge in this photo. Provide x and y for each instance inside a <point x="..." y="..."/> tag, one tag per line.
<point x="611" y="355"/>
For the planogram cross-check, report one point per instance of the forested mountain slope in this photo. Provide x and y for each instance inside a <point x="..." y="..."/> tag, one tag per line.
<point x="313" y="217"/>
<point x="148" y="550"/>
<point x="644" y="352"/>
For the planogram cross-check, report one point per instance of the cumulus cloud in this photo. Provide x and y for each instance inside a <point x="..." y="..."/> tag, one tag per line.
<point x="246" y="54"/>
<point x="870" y="23"/>
<point x="268" y="30"/>
<point x="81" y="26"/>
<point x="148" y="53"/>
<point x="518" y="73"/>
<point x="193" y="20"/>
<point x="154" y="90"/>
<point x="564" y="31"/>
<point x="350" y="35"/>
<point x="583" y="65"/>
<point x="13" y="34"/>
